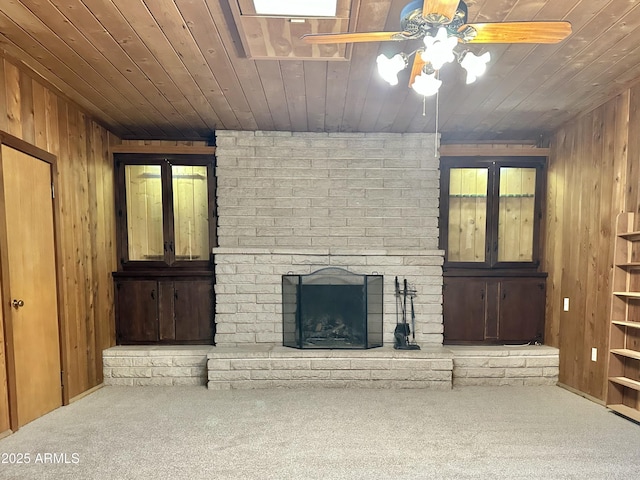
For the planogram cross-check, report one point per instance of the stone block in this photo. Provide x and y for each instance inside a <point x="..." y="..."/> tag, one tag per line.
<point x="250" y="364"/>
<point x="330" y="364"/>
<point x="131" y="372"/>
<point x="370" y="363"/>
<point x="391" y="374"/>
<point x="310" y="374"/>
<point x="159" y="362"/>
<point x="290" y="364"/>
<point x="479" y="372"/>
<point x="550" y="372"/>
<point x="506" y="362"/>
<point x="523" y="372"/>
<point x="229" y="375"/>
<point x="271" y="374"/>
<point x="171" y="372"/>
<point x="218" y="364"/>
<point x="547" y="361"/>
<point x="190" y="381"/>
<point x="117" y="361"/>
<point x="351" y="374"/>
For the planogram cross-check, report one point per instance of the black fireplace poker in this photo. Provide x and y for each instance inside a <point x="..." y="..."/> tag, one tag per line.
<point x="403" y="331"/>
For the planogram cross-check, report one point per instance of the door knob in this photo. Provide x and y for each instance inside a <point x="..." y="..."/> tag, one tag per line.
<point x="17" y="303"/>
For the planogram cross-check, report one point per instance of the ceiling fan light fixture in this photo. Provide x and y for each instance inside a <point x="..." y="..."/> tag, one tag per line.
<point x="426" y="84"/>
<point x="439" y="49"/>
<point x="474" y="65"/>
<point x="388" y="68"/>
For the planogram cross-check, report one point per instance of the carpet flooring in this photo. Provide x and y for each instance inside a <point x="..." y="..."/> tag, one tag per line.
<point x="194" y="433"/>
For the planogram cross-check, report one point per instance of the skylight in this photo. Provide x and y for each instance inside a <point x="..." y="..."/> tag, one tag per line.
<point x="296" y="8"/>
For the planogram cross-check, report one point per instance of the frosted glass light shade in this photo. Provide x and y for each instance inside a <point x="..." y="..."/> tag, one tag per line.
<point x="426" y="85"/>
<point x="475" y="65"/>
<point x="388" y="68"/>
<point x="439" y="49"/>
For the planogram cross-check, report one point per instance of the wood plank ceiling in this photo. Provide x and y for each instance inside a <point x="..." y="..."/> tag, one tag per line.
<point x="179" y="69"/>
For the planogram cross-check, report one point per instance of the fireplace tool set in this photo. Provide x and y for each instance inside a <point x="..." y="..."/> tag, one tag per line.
<point x="403" y="330"/>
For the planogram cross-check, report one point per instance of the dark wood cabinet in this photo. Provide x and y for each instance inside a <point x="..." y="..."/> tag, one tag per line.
<point x="166" y="228"/>
<point x="136" y="311"/>
<point x="171" y="310"/>
<point x="490" y="215"/>
<point x="493" y="310"/>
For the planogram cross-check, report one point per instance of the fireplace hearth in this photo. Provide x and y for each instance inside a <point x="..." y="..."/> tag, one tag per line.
<point x="332" y="308"/>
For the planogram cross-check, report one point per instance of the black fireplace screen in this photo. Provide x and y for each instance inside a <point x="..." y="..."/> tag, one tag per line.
<point x="332" y="308"/>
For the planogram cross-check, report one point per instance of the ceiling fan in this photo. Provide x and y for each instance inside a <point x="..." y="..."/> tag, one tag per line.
<point x="442" y="25"/>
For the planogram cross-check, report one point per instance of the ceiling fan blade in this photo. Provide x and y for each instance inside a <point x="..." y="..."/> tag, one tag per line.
<point x="321" y="38"/>
<point x="520" y="32"/>
<point x="436" y="9"/>
<point x="416" y="69"/>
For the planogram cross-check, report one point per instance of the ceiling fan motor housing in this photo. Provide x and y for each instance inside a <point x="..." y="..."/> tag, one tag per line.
<point x="418" y="26"/>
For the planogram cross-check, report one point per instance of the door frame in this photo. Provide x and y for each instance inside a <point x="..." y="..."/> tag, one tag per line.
<point x="36" y="152"/>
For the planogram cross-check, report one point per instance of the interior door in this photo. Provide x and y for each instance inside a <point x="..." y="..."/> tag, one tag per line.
<point x="30" y="251"/>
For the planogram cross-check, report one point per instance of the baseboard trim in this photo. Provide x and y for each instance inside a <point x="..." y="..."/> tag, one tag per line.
<point x="582" y="394"/>
<point x="6" y="433"/>
<point x="85" y="393"/>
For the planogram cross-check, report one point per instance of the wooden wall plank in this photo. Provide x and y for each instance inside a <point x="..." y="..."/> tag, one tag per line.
<point x="593" y="175"/>
<point x="12" y="89"/>
<point x="4" y="123"/>
<point x="26" y="109"/>
<point x="86" y="237"/>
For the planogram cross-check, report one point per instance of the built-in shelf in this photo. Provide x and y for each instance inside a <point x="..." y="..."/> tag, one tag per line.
<point x="628" y="294"/>
<point x="631" y="236"/>
<point x="625" y="352"/>
<point x="629" y="265"/>
<point x="626" y="411"/>
<point x="623" y="391"/>
<point x="627" y="382"/>
<point x="623" y="323"/>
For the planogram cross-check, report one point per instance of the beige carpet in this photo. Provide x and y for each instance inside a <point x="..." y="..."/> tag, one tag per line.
<point x="193" y="433"/>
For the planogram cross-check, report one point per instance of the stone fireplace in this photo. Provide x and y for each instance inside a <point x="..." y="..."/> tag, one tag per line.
<point x="293" y="203"/>
<point x="296" y="203"/>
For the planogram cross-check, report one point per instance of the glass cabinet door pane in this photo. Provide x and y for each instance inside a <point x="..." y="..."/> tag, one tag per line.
<point x="516" y="214"/>
<point x="467" y="214"/>
<point x="143" y="190"/>
<point x="190" y="212"/>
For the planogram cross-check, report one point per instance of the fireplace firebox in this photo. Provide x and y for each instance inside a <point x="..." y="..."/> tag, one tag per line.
<point x="332" y="308"/>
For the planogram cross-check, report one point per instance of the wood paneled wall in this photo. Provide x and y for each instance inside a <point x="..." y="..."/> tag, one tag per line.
<point x="35" y="113"/>
<point x="593" y="175"/>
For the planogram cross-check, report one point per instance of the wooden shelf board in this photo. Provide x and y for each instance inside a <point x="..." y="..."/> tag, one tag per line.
<point x="628" y="265"/>
<point x="628" y="294"/>
<point x="630" y="235"/>
<point x="627" y="382"/>
<point x="626" y="411"/>
<point x="623" y="323"/>
<point x="625" y="352"/>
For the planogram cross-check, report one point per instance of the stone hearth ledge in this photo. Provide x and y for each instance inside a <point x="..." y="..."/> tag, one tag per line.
<point x="331" y="251"/>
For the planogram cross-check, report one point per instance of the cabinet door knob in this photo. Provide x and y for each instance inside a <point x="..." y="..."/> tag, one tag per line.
<point x="17" y="303"/>
<point x="153" y="294"/>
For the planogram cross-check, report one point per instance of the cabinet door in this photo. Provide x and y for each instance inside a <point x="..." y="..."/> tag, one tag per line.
<point x="521" y="309"/>
<point x="136" y="311"/>
<point x="193" y="310"/>
<point x="464" y="309"/>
